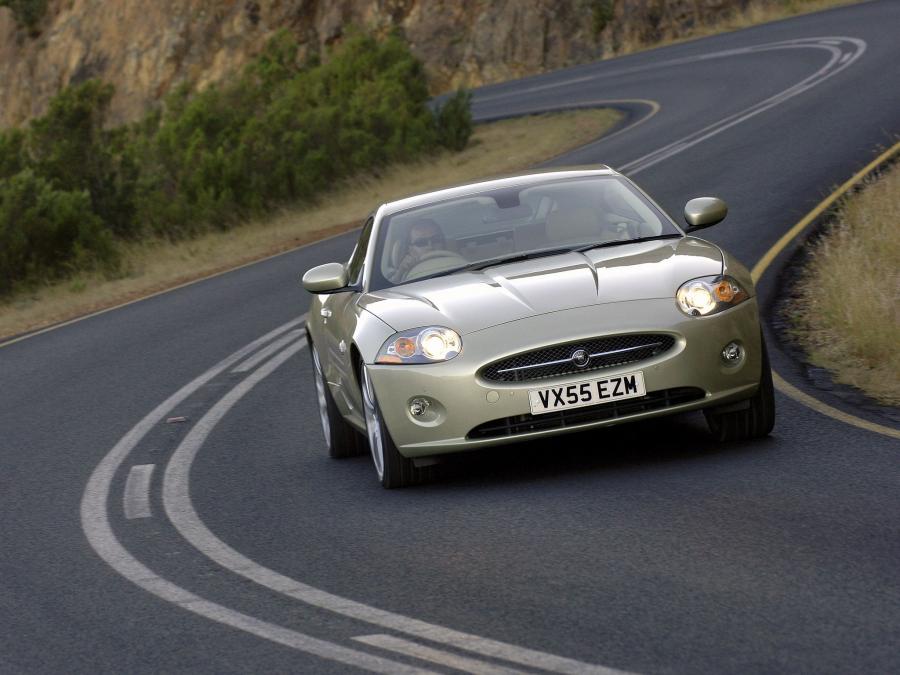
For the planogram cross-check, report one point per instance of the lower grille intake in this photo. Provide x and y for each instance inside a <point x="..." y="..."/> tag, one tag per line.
<point x="520" y="424"/>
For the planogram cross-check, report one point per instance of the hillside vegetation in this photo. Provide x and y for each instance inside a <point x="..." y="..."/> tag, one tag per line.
<point x="146" y="49"/>
<point x="72" y="190"/>
<point x="152" y="265"/>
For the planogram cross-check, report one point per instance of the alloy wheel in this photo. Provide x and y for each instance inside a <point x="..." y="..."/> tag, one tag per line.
<point x="320" y="395"/>
<point x="373" y="424"/>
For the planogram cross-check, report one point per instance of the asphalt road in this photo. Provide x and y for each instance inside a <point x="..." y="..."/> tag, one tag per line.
<point x="645" y="548"/>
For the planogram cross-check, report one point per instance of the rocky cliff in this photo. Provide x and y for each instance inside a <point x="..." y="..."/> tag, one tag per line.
<point x="144" y="48"/>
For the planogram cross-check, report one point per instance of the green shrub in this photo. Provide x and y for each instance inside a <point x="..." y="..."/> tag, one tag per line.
<point x="454" y="121"/>
<point x="283" y="132"/>
<point x="278" y="132"/>
<point x="602" y="12"/>
<point x="13" y="157"/>
<point x="28" y="13"/>
<point x="69" y="147"/>
<point x="46" y="233"/>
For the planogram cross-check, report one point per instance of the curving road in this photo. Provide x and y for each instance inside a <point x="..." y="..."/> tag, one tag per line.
<point x="168" y="506"/>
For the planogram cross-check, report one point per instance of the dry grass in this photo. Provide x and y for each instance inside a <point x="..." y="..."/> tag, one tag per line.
<point x="495" y="148"/>
<point x="757" y="12"/>
<point x="848" y="314"/>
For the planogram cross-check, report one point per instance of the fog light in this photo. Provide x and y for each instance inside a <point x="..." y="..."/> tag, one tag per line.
<point x="419" y="406"/>
<point x="732" y="353"/>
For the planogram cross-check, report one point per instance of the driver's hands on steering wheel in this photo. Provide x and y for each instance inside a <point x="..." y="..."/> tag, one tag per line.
<point x="429" y="262"/>
<point x="410" y="260"/>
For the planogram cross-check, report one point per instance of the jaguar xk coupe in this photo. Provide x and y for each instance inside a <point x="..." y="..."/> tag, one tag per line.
<point x="528" y="307"/>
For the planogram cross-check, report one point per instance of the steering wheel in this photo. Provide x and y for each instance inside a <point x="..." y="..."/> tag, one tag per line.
<point x="623" y="224"/>
<point x="435" y="261"/>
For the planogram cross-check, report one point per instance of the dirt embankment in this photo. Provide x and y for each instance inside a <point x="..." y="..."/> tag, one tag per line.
<point x="146" y="48"/>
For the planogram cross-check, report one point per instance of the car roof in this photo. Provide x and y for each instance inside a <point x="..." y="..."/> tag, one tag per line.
<point x="522" y="179"/>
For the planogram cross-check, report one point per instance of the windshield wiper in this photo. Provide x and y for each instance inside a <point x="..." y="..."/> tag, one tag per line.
<point x="619" y="242"/>
<point x="514" y="257"/>
<point x="499" y="260"/>
<point x="539" y="253"/>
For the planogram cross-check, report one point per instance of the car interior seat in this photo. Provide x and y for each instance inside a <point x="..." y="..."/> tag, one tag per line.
<point x="578" y="224"/>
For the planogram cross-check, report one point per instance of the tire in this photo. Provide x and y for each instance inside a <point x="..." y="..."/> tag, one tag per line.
<point x="341" y="439"/>
<point x="393" y="469"/>
<point x="755" y="421"/>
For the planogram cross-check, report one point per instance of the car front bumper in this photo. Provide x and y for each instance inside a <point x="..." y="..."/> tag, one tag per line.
<point x="461" y="400"/>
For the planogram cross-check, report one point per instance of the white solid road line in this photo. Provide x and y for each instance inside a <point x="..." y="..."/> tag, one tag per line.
<point x="180" y="510"/>
<point x="839" y="59"/>
<point x="439" y="656"/>
<point x="266" y="352"/>
<point x="610" y="73"/>
<point x="837" y="63"/>
<point x="136" y="500"/>
<point x="95" y="523"/>
<point x="657" y="65"/>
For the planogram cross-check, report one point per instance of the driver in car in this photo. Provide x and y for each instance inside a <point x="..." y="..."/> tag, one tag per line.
<point x="424" y="236"/>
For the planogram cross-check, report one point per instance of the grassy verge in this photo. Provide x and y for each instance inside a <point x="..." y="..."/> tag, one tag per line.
<point x="152" y="266"/>
<point x="847" y="313"/>
<point x="755" y="13"/>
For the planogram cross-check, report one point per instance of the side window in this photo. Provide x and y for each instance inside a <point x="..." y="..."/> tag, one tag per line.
<point x="355" y="266"/>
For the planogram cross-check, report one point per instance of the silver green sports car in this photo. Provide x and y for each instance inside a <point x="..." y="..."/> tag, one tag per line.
<point x="528" y="307"/>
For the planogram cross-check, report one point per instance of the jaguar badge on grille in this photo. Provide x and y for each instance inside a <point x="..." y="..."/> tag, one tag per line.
<point x="580" y="358"/>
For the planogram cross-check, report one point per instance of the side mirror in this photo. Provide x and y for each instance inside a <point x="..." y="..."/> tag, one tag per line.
<point x="327" y="278"/>
<point x="703" y="212"/>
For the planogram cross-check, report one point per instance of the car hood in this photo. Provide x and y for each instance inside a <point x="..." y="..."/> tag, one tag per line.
<point x="472" y="301"/>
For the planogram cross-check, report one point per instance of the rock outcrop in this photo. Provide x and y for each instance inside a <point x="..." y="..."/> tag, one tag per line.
<point x="145" y="48"/>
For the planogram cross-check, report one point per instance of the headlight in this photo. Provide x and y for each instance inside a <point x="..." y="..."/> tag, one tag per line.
<point x="421" y="345"/>
<point x="708" y="295"/>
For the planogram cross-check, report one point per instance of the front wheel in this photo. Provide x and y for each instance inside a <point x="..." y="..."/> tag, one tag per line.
<point x="341" y="439"/>
<point x="393" y="469"/>
<point x="757" y="419"/>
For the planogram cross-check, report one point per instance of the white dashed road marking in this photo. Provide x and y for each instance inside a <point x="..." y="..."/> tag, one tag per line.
<point x="136" y="500"/>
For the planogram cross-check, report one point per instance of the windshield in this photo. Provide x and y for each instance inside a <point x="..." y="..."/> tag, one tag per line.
<point x="555" y="216"/>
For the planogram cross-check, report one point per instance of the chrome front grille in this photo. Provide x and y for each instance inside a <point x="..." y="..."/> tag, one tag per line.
<point x="578" y="357"/>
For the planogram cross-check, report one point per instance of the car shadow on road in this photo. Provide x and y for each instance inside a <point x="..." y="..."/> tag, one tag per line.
<point x="679" y="440"/>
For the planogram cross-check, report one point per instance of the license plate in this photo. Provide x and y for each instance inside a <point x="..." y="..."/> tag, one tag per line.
<point x="588" y="392"/>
